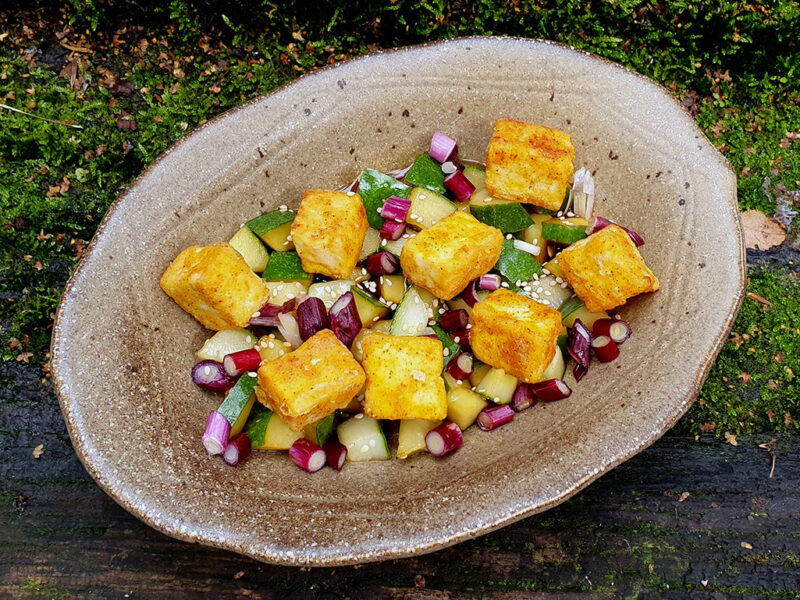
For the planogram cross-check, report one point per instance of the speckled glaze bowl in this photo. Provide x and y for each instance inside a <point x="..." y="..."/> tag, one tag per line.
<point x="122" y="350"/>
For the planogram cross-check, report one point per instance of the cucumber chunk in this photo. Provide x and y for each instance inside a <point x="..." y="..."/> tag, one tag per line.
<point x="556" y="368"/>
<point x="369" y="308"/>
<point x="267" y="431"/>
<point x="392" y="288"/>
<point x="552" y="294"/>
<point x="554" y="267"/>
<point x="272" y="346"/>
<point x="570" y="306"/>
<point x="286" y="266"/>
<point x="426" y="173"/>
<point x="476" y="176"/>
<point x="374" y="187"/>
<point x="364" y="439"/>
<point x="464" y="406"/>
<point x="274" y="228"/>
<point x="281" y="291"/>
<point x="249" y="245"/>
<point x="428" y="208"/>
<point x="320" y="431"/>
<point x="225" y="342"/>
<point x="479" y="371"/>
<point x="533" y="235"/>
<point x="452" y="347"/>
<point x="515" y="264"/>
<point x="396" y="246"/>
<point x="238" y="403"/>
<point x="411" y="316"/>
<point x="411" y="438"/>
<point x="508" y="216"/>
<point x="497" y="386"/>
<point x="582" y="313"/>
<point x="565" y="231"/>
<point x="451" y="383"/>
<point x="372" y="239"/>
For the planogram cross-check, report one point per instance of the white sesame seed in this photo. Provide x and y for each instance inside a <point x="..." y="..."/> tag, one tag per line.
<point x="364" y="448"/>
<point x="456" y="339"/>
<point x="509" y="236"/>
<point x="446" y="352"/>
<point x="283" y="208"/>
<point x="252" y="374"/>
<point x="206" y="370"/>
<point x="360" y="416"/>
<point x="559" y="213"/>
<point x="383" y="242"/>
<point x="469" y="325"/>
<point x="504" y="284"/>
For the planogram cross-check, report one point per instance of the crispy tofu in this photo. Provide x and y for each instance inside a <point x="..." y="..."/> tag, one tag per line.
<point x="215" y="285"/>
<point x="605" y="269"/>
<point x="529" y="163"/>
<point x="328" y="232"/>
<point x="307" y="385"/>
<point x="444" y="258"/>
<point x="404" y="378"/>
<point x="514" y="333"/>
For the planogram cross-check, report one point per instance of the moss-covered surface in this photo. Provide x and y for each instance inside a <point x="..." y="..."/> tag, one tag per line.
<point x="136" y="78"/>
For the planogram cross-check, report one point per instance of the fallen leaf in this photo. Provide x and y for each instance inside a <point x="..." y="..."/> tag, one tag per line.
<point x="15" y="343"/>
<point x="759" y="298"/>
<point x="38" y="451"/>
<point x="779" y="357"/>
<point x="745" y="377"/>
<point x="683" y="496"/>
<point x="761" y="232"/>
<point x="708" y="427"/>
<point x="24" y="357"/>
<point x="747" y="546"/>
<point x="72" y="72"/>
<point x="239" y="575"/>
<point x="731" y="439"/>
<point x="38" y="265"/>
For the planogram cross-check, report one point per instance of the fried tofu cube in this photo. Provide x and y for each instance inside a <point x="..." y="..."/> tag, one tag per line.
<point x="529" y="163"/>
<point x="444" y="258"/>
<point x="328" y="232"/>
<point x="605" y="269"/>
<point x="308" y="384"/>
<point x="404" y="378"/>
<point x="514" y="333"/>
<point x="215" y="285"/>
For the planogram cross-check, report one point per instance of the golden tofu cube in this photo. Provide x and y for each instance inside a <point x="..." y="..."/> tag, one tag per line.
<point x="215" y="285"/>
<point x="444" y="258"/>
<point x="529" y="163"/>
<point x="514" y="333"/>
<point x="404" y="378"/>
<point x="307" y="385"/>
<point x="605" y="269"/>
<point x="328" y="232"/>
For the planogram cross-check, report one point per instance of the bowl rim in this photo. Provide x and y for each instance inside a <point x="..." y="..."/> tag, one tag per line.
<point x="441" y="540"/>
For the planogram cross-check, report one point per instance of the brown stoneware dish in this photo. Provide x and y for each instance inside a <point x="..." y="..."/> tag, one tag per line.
<point x="123" y="351"/>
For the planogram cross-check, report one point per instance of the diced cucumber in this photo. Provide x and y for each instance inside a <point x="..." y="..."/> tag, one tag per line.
<point x="556" y="368"/>
<point x="498" y="386"/>
<point x="286" y="266"/>
<point x="476" y="176"/>
<point x="274" y="228"/>
<point x="369" y="309"/>
<point x="249" y="245"/>
<point x="374" y="187"/>
<point x="515" y="264"/>
<point x="225" y="342"/>
<point x="320" y="431"/>
<point x="451" y="347"/>
<point x="272" y="346"/>
<point x="382" y="326"/>
<point x="479" y="371"/>
<point x="562" y="344"/>
<point x="426" y="173"/>
<point x="238" y="402"/>
<point x="463" y="406"/>
<point x="451" y="383"/>
<point x="428" y="208"/>
<point x="508" y="216"/>
<point x="552" y="294"/>
<point x="396" y="246"/>
<point x="329" y="291"/>
<point x="411" y="316"/>
<point x="411" y="438"/>
<point x="459" y="302"/>
<point x="554" y="267"/>
<point x="392" y="288"/>
<point x="267" y="431"/>
<point x="364" y="439"/>
<point x="359" y="274"/>
<point x="533" y="235"/>
<point x="565" y="231"/>
<point x="586" y="317"/>
<point x="372" y="240"/>
<point x="570" y="306"/>
<point x="281" y="291"/>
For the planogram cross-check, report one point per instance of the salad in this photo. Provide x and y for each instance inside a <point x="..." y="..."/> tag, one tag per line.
<point x="422" y="301"/>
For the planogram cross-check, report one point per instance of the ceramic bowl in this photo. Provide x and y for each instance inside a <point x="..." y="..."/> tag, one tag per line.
<point x="123" y="351"/>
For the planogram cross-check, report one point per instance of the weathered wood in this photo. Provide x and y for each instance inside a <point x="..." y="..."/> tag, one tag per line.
<point x="633" y="533"/>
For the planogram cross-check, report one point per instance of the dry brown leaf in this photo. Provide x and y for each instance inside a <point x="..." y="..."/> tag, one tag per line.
<point x="731" y="439"/>
<point x="683" y="496"/>
<point x="747" y="546"/>
<point x="38" y="451"/>
<point x="761" y="232"/>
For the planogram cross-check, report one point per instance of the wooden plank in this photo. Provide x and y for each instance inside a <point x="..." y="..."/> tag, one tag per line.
<point x="633" y="532"/>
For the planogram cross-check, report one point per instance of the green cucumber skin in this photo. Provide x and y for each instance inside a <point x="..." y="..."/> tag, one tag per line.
<point x="426" y="173"/>
<point x="374" y="187"/>
<point x="562" y="344"/>
<point x="562" y="234"/>
<point x="357" y="291"/>
<point x="508" y="218"/>
<point x="325" y="429"/>
<point x="285" y="266"/>
<point x="452" y="347"/>
<point x="569" y="306"/>
<point x="515" y="264"/>
<point x="238" y="398"/>
<point x="407" y="304"/>
<point x="269" y="221"/>
<point x="476" y="176"/>
<point x="256" y="427"/>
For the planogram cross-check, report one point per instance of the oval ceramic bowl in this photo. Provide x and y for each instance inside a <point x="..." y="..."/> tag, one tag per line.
<point x="123" y="351"/>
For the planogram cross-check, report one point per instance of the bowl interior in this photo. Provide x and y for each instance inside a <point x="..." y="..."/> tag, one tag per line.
<point x="123" y="350"/>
